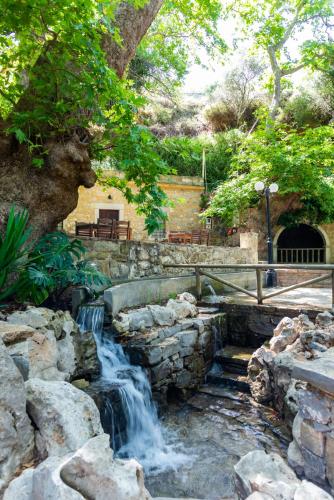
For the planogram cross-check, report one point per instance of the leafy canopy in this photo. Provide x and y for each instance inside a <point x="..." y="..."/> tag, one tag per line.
<point x="55" y="81"/>
<point x="300" y="162"/>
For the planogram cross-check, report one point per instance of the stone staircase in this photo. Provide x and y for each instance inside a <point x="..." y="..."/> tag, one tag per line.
<point x="231" y="368"/>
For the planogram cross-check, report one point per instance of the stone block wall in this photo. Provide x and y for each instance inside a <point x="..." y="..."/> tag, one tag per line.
<point x="174" y="343"/>
<point x="135" y="259"/>
<point x="311" y="452"/>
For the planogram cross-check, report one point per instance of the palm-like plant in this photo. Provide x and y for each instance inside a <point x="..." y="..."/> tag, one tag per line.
<point x="54" y="264"/>
<point x="34" y="272"/>
<point x="13" y="252"/>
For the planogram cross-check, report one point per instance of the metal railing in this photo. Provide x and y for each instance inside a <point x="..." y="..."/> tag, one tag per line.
<point x="200" y="270"/>
<point x="301" y="255"/>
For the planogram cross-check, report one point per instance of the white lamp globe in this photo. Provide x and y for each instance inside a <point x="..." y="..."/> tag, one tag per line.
<point x="273" y="188"/>
<point x="259" y="186"/>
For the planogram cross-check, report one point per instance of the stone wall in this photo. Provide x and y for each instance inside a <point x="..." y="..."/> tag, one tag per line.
<point x="287" y="277"/>
<point x="174" y="343"/>
<point x="295" y="374"/>
<point x="184" y="193"/>
<point x="135" y="259"/>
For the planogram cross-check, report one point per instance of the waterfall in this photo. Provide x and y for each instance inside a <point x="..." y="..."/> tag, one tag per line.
<point x="144" y="437"/>
<point x="211" y="289"/>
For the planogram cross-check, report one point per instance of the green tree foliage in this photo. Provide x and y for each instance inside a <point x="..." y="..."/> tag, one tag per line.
<point x="55" y="80"/>
<point x="184" y="155"/>
<point x="237" y="98"/>
<point x="306" y="110"/>
<point x="277" y="25"/>
<point x="300" y="162"/>
<point x="173" y="42"/>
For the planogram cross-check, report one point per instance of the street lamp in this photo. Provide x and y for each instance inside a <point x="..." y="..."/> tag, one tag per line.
<point x="271" y="277"/>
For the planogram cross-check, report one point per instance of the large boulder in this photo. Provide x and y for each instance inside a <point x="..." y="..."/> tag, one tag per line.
<point x="88" y="473"/>
<point x="16" y="432"/>
<point x="266" y="473"/>
<point x="93" y="471"/>
<point x="47" y="344"/>
<point x="65" y="417"/>
<point x="41" y="483"/>
<point x="37" y="357"/>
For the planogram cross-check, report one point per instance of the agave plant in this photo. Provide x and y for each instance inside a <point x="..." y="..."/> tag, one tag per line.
<point x="13" y="252"/>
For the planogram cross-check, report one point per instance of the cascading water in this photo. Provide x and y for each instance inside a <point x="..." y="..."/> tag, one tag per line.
<point x="144" y="437"/>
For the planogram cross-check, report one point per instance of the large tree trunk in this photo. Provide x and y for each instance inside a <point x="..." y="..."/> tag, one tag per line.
<point x="51" y="192"/>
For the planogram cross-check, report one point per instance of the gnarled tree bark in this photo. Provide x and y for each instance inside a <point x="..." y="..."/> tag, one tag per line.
<point x="51" y="192"/>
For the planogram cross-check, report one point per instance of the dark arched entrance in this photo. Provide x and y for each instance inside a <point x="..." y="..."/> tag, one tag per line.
<point x="301" y="244"/>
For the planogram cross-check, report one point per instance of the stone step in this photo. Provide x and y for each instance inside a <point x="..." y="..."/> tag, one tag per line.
<point x="227" y="379"/>
<point x="234" y="359"/>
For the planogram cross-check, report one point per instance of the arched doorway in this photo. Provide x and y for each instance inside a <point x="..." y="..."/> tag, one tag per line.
<point x="302" y="244"/>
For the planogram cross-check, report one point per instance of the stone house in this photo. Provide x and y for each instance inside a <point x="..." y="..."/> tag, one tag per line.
<point x="98" y="202"/>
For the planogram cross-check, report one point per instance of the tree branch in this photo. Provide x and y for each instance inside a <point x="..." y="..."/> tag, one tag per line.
<point x="133" y="25"/>
<point x="293" y="69"/>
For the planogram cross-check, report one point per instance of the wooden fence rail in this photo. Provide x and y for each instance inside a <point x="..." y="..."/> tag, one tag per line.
<point x="259" y="295"/>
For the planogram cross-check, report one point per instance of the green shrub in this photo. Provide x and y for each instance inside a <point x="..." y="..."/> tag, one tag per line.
<point x="43" y="269"/>
<point x="184" y="155"/>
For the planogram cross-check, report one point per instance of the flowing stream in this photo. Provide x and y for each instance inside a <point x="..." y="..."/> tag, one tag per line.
<point x="144" y="437"/>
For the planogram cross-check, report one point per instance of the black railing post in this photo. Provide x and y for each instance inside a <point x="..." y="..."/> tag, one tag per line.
<point x="271" y="276"/>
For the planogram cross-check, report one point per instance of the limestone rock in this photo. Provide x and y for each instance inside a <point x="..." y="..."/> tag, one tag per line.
<point x="296" y="428"/>
<point x="182" y="308"/>
<point x="16" y="433"/>
<point x="140" y="319"/>
<point x="295" y="458"/>
<point x="93" y="471"/>
<point x="163" y="316"/>
<point x="259" y="496"/>
<point x="35" y="317"/>
<point x="21" y="487"/>
<point x="324" y="319"/>
<point x="187" y="338"/>
<point x="266" y="473"/>
<point x="284" y="334"/>
<point x="188" y="297"/>
<point x="122" y="323"/>
<point x="258" y="375"/>
<point x="41" y="483"/>
<point x="48" y="345"/>
<point x="308" y="491"/>
<point x="12" y="333"/>
<point x="65" y="417"/>
<point x="41" y="355"/>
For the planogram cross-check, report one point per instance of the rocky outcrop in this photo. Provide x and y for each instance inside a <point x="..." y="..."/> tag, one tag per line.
<point x="262" y="476"/>
<point x="48" y="345"/>
<point x="294" y="341"/>
<point x="90" y="472"/>
<point x="296" y="374"/>
<point x="16" y="432"/>
<point x="64" y="416"/>
<point x="173" y="342"/>
<point x="93" y="471"/>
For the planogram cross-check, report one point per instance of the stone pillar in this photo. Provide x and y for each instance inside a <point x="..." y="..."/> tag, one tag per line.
<point x="250" y="241"/>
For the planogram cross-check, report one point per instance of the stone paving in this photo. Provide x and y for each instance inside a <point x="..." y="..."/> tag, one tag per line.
<point x="319" y="298"/>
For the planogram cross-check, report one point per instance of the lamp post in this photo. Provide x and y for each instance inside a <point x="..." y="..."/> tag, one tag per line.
<point x="271" y="277"/>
